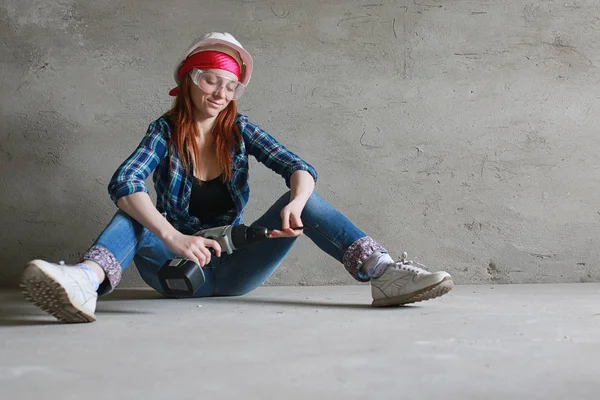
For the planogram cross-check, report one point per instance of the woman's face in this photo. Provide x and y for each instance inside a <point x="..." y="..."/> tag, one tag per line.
<point x="212" y="91"/>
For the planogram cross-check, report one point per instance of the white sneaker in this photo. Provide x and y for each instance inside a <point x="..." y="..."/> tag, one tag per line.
<point x="63" y="291"/>
<point x="403" y="283"/>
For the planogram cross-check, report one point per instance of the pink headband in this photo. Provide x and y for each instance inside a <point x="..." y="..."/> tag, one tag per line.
<point x="208" y="59"/>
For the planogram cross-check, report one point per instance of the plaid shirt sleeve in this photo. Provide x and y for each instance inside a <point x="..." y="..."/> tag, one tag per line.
<point x="130" y="176"/>
<point x="273" y="154"/>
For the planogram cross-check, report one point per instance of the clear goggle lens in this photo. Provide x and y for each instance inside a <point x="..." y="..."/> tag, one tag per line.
<point x="211" y="82"/>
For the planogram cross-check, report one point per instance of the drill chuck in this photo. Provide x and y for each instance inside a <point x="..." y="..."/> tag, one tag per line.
<point x="242" y="235"/>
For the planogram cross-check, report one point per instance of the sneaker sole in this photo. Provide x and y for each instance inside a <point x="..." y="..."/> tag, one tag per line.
<point x="42" y="290"/>
<point x="431" y="292"/>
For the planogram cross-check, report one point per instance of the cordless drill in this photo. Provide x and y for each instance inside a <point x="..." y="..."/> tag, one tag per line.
<point x="181" y="277"/>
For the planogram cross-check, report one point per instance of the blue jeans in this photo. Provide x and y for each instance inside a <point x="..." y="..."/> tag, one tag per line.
<point x="245" y="269"/>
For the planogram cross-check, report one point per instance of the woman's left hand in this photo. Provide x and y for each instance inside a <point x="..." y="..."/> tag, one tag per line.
<point x="290" y="218"/>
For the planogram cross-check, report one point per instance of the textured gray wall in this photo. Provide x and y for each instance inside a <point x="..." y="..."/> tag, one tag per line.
<point x="461" y="131"/>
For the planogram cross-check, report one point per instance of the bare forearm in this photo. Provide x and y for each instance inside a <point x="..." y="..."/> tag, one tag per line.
<point x="139" y="207"/>
<point x="302" y="185"/>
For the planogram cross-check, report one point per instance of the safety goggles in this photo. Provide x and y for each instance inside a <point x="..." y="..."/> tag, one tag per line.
<point x="211" y="82"/>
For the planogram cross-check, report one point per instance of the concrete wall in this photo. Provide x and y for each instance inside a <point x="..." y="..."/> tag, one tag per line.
<point x="461" y="131"/>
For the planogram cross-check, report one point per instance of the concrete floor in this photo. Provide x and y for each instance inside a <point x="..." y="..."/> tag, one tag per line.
<point x="478" y="342"/>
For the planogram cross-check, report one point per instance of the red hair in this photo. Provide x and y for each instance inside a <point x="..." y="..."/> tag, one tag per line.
<point x="226" y="133"/>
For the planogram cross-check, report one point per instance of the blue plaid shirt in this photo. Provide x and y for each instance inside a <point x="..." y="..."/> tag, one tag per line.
<point x="174" y="185"/>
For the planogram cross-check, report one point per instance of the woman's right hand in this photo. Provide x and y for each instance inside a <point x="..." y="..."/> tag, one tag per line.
<point x="195" y="248"/>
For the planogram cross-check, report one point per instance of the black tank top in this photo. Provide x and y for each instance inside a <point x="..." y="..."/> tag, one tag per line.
<point x="209" y="200"/>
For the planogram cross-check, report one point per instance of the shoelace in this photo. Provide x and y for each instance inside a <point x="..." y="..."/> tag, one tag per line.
<point x="408" y="265"/>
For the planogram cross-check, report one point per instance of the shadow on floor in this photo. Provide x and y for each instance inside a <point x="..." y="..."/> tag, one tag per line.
<point x="145" y="294"/>
<point x="301" y="303"/>
<point x="132" y="294"/>
<point x="16" y="321"/>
